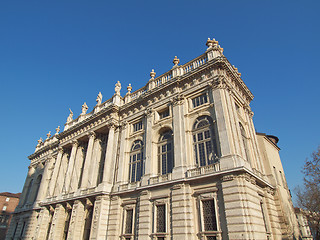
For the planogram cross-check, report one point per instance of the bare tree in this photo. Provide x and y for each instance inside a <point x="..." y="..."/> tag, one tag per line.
<point x="308" y="196"/>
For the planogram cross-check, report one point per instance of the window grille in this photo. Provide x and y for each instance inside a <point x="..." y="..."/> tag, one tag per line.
<point x="200" y="100"/>
<point x="129" y="221"/>
<point x="165" y="153"/>
<point x="137" y="126"/>
<point x="209" y="215"/>
<point x="161" y="218"/>
<point x="204" y="141"/>
<point x="136" y="167"/>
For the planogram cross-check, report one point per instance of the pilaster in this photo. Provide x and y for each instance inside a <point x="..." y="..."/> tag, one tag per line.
<point x="145" y="215"/>
<point x="57" y="225"/>
<point x="179" y="138"/>
<point x="100" y="218"/>
<point x="109" y="159"/>
<point x="148" y="163"/>
<point x="88" y="161"/>
<point x="77" y="222"/>
<point x="45" y="180"/>
<point x="181" y="211"/>
<point x="114" y="229"/>
<point x="67" y="180"/>
<point x="55" y="172"/>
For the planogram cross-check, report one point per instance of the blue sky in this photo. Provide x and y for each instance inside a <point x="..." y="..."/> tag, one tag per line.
<point x="55" y="55"/>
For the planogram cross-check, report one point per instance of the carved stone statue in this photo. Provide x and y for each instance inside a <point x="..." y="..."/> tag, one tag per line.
<point x="70" y="117"/>
<point x="99" y="99"/>
<point x="117" y="88"/>
<point x="84" y="109"/>
<point x="40" y="141"/>
<point x="57" y="129"/>
<point x="48" y="134"/>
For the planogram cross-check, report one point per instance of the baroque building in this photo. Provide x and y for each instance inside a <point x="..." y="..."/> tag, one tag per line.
<point x="177" y="159"/>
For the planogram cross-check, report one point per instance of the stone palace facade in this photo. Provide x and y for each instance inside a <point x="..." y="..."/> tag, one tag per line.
<point x="176" y="159"/>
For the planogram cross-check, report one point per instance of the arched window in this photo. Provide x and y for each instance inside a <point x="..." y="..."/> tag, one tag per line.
<point x="165" y="153"/>
<point x="28" y="192"/>
<point x="37" y="186"/>
<point x="245" y="141"/>
<point x="204" y="141"/>
<point x="136" y="168"/>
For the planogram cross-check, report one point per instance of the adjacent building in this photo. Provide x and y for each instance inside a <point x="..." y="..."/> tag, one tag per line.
<point x="177" y="159"/>
<point x="8" y="202"/>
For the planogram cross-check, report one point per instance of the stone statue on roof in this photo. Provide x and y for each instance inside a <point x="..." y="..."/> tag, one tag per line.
<point x="117" y="88"/>
<point x="84" y="109"/>
<point x="99" y="99"/>
<point x="70" y="117"/>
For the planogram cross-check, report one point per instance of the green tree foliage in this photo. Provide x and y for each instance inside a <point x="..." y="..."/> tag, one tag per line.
<point x="308" y="196"/>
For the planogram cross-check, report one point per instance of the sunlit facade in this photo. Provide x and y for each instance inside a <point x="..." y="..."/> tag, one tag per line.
<point x="176" y="159"/>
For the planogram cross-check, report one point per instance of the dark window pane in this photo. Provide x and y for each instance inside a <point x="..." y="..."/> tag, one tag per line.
<point x="129" y="220"/>
<point x="209" y="215"/>
<point x="161" y="218"/>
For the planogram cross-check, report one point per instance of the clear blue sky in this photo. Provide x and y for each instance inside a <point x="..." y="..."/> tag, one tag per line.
<point x="59" y="54"/>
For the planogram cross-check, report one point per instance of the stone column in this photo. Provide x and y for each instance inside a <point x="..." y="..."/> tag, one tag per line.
<point x="148" y="163"/>
<point x="67" y="180"/>
<point x="99" y="224"/>
<point x="77" y="221"/>
<point x="55" y="173"/>
<point x="121" y="168"/>
<point x="88" y="161"/>
<point x="109" y="160"/>
<point x="179" y="143"/>
<point x="42" y="224"/>
<point x="45" y="180"/>
<point x="58" y="220"/>
<point x="94" y="168"/>
<point x="182" y="214"/>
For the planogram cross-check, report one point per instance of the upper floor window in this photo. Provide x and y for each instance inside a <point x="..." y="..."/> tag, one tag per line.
<point x="137" y="126"/>
<point x="7" y="199"/>
<point x="165" y="153"/>
<point x="165" y="113"/>
<point x="204" y="141"/>
<point x="197" y="101"/>
<point x="4" y="208"/>
<point x="136" y="161"/>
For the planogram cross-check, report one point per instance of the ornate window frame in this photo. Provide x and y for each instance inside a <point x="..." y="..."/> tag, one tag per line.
<point x="157" y="202"/>
<point x="129" y="205"/>
<point x="136" y="164"/>
<point x="163" y="152"/>
<point x="209" y="194"/>
<point x="206" y="137"/>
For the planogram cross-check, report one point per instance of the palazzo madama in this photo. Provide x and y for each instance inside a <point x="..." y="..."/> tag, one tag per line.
<point x="177" y="159"/>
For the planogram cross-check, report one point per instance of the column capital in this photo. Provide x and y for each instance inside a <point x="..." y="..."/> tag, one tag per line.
<point x="60" y="149"/>
<point x="75" y="143"/>
<point x="91" y="134"/>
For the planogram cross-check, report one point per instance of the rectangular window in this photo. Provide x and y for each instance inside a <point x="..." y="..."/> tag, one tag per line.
<point x="7" y="199"/>
<point x="4" y="208"/>
<point x="137" y="126"/>
<point x="197" y="101"/>
<point x="129" y="221"/>
<point x="165" y="113"/>
<point x="209" y="215"/>
<point x="161" y="218"/>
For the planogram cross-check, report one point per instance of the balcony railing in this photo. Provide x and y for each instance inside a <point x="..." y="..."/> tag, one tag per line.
<point x="204" y="170"/>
